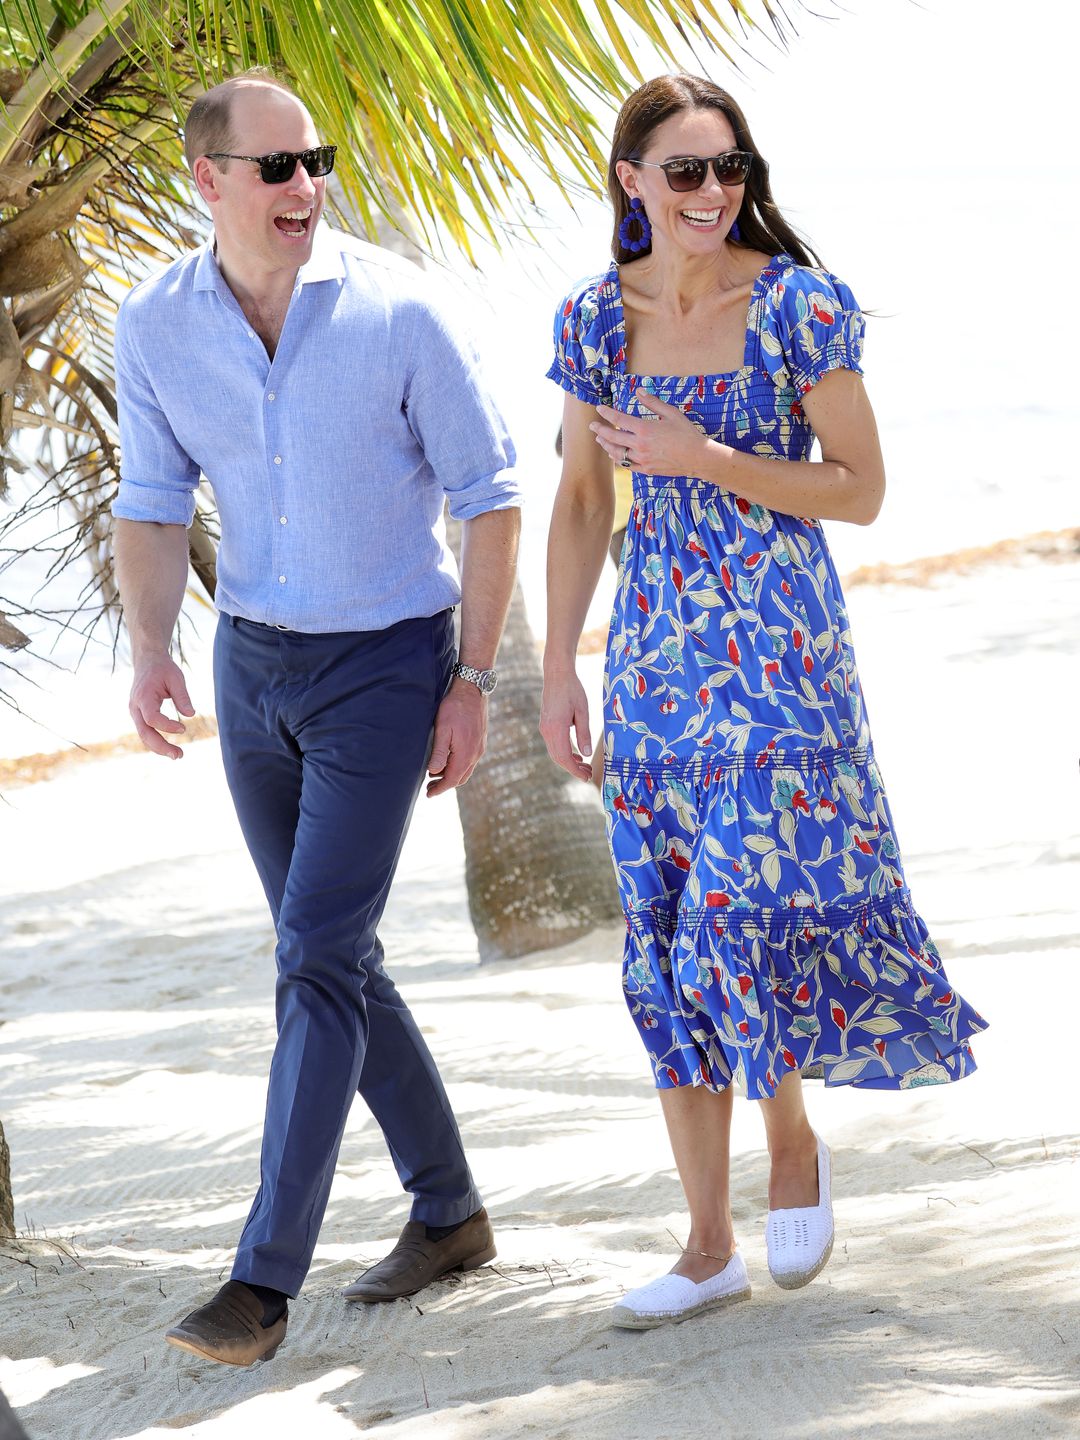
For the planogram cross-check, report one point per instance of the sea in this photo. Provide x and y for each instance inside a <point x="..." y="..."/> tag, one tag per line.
<point x="925" y="151"/>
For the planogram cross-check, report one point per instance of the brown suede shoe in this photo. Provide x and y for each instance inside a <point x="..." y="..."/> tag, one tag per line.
<point x="415" y="1260"/>
<point x="229" y="1328"/>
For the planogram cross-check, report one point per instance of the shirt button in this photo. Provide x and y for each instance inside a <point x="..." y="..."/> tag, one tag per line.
<point x="284" y="520"/>
<point x="277" y="459"/>
<point x="251" y="334"/>
<point x="271" y="396"/>
<point x="281" y="579"/>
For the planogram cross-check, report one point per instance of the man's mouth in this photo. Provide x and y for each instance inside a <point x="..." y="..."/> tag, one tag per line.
<point x="701" y="219"/>
<point x="294" y="222"/>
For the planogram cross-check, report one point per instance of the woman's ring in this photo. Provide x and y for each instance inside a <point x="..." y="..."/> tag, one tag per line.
<point x="626" y="456"/>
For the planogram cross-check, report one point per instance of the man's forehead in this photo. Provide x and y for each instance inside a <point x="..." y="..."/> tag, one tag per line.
<point x="271" y="117"/>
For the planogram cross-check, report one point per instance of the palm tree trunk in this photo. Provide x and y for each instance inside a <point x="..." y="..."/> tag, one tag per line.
<point x="7" y="1204"/>
<point x="537" y="867"/>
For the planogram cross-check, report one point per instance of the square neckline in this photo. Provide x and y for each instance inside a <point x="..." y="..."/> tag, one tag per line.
<point x="749" y="339"/>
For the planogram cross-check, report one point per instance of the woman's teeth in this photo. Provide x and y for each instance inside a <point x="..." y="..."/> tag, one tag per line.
<point x="701" y="217"/>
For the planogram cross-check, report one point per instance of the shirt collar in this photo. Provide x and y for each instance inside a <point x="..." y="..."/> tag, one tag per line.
<point x="326" y="262"/>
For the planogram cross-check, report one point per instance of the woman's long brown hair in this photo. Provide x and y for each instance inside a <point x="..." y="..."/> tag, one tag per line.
<point x="761" y="225"/>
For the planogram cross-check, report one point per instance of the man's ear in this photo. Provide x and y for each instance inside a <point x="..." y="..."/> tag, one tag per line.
<point x="205" y="175"/>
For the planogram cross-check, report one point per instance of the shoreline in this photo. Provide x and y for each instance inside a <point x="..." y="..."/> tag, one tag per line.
<point x="1053" y="546"/>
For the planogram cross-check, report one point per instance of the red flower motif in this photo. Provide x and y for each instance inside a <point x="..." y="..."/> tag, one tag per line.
<point x="642" y="603"/>
<point x="798" y="802"/>
<point x="802" y="994"/>
<point x="743" y="1028"/>
<point x="733" y="650"/>
<point x="717" y="898"/>
<point x="839" y="1016"/>
<point x="825" y="316"/>
<point x="860" y="843"/>
<point x="736" y="867"/>
<point x="879" y="1046"/>
<point x="797" y="638"/>
<point x="789" y="1058"/>
<point x="785" y="587"/>
<point x="644" y="813"/>
<point x="772" y="670"/>
<point x="945" y="999"/>
<point x="676" y="576"/>
<point x="754" y="558"/>
<point x="719" y="387"/>
<point x="672" y="1075"/>
<point x="619" y="804"/>
<point x="743" y="506"/>
<point x="745" y="984"/>
<point x="679" y="861"/>
<point x="725" y="575"/>
<point x="701" y="387"/>
<point x="639" y="684"/>
<point x="808" y="662"/>
<point x="704" y="695"/>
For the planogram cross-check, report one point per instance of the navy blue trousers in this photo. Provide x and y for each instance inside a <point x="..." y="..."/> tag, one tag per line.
<point x="325" y="741"/>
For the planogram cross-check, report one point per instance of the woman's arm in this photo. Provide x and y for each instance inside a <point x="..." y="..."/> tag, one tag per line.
<point x="577" y="551"/>
<point x="847" y="483"/>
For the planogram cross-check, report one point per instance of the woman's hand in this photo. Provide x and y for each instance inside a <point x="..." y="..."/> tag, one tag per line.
<point x="563" y="709"/>
<point x="669" y="445"/>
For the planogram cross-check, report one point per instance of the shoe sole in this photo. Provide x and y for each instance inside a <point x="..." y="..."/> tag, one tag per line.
<point x="473" y="1262"/>
<point x="625" y="1319"/>
<point x="193" y="1349"/>
<point x="796" y="1279"/>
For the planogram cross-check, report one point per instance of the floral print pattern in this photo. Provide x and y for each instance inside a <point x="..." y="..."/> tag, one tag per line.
<point x="769" y="924"/>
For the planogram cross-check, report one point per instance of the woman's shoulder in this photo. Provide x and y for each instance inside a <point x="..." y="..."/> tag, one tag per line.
<point x="586" y="297"/>
<point x="810" y="323"/>
<point x="796" y="289"/>
<point x="586" y="330"/>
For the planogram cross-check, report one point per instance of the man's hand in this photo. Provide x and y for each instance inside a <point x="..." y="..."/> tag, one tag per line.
<point x="460" y="737"/>
<point x="158" y="679"/>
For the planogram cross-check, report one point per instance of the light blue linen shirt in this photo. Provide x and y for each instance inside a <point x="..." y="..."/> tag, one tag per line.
<point x="330" y="464"/>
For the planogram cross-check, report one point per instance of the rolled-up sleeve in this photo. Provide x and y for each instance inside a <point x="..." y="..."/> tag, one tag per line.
<point x="158" y="478"/>
<point x="455" y="419"/>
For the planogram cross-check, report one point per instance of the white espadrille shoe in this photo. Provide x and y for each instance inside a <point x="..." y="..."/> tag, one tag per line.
<point x="674" y="1298"/>
<point x="799" y="1242"/>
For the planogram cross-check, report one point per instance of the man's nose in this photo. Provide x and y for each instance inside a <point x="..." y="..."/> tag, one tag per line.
<point x="301" y="184"/>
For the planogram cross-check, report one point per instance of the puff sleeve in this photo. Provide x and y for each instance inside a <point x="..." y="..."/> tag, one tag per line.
<point x="811" y="324"/>
<point x="583" y="329"/>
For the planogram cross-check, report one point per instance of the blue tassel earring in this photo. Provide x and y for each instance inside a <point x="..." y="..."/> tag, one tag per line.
<point x="733" y="233"/>
<point x="635" y="220"/>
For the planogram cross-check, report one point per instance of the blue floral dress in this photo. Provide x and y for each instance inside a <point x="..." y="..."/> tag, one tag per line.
<point x="769" y="924"/>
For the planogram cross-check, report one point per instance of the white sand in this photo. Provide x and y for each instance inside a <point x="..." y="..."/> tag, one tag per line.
<point x="135" y="981"/>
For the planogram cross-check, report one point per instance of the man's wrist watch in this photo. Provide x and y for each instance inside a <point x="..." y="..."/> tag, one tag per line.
<point x="484" y="680"/>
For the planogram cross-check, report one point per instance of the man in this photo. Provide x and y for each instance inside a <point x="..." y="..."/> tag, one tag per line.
<point x="318" y="386"/>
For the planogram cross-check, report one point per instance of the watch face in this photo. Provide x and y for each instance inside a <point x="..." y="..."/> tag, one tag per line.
<point x="488" y="681"/>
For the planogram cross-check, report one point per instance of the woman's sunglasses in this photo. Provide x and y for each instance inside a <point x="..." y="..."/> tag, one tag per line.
<point x="689" y="173"/>
<point x="280" y="165"/>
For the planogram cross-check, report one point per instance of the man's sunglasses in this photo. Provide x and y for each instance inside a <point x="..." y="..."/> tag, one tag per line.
<point x="280" y="165"/>
<point x="688" y="173"/>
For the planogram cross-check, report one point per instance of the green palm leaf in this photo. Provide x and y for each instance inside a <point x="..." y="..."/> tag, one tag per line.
<point x="439" y="107"/>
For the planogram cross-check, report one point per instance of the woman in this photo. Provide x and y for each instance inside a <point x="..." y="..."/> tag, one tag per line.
<point x="770" y="929"/>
